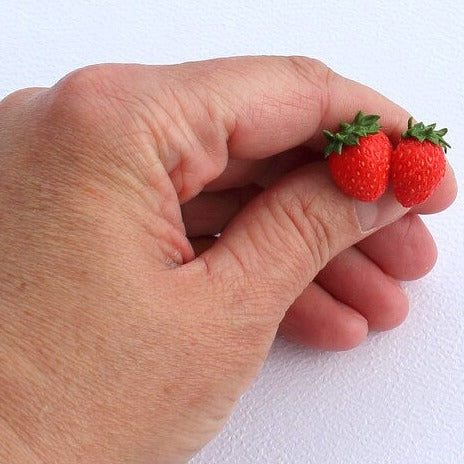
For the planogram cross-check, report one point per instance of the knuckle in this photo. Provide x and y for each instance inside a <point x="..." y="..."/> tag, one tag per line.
<point x="311" y="70"/>
<point x="307" y="66"/>
<point x="17" y="97"/>
<point x="83" y="80"/>
<point x="73" y="99"/>
<point x="317" y="76"/>
<point x="74" y="119"/>
<point x="56" y="141"/>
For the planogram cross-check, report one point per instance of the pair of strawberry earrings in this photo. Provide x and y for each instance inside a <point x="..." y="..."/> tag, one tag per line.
<point x="362" y="160"/>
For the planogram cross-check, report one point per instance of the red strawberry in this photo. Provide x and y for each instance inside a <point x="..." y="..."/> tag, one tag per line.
<point x="418" y="163"/>
<point x="359" y="157"/>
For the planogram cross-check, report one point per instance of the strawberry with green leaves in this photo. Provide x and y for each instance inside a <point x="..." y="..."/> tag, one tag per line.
<point x="418" y="163"/>
<point x="359" y="157"/>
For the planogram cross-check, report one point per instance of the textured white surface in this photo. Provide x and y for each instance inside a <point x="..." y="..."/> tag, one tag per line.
<point x="399" y="398"/>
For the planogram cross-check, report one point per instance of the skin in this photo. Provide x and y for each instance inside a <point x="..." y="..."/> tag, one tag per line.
<point x="127" y="330"/>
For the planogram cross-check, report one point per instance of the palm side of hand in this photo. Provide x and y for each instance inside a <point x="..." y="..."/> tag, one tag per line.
<point x="114" y="176"/>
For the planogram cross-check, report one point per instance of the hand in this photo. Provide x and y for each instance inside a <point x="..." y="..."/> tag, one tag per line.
<point x="117" y="345"/>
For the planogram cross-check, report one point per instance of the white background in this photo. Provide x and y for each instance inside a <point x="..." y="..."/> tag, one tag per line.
<point x="397" y="399"/>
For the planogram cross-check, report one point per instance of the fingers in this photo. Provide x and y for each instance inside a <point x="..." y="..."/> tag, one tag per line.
<point x="280" y="240"/>
<point x="318" y="320"/>
<point x="355" y="280"/>
<point x="350" y="296"/>
<point x="404" y="249"/>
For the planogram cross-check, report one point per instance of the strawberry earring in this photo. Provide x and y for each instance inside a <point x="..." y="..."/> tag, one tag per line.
<point x="418" y="163"/>
<point x="359" y="157"/>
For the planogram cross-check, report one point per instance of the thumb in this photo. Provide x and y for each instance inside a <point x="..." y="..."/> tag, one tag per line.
<point x="279" y="242"/>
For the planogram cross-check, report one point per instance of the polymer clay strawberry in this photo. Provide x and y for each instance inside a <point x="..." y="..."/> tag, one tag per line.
<point x="359" y="157"/>
<point x="418" y="163"/>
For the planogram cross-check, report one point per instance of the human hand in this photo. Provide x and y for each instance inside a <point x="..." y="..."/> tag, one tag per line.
<point x="117" y="344"/>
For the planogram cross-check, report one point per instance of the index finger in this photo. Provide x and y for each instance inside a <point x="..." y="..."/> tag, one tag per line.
<point x="201" y="114"/>
<point x="276" y="103"/>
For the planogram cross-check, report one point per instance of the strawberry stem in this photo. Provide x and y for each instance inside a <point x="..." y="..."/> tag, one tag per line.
<point x="362" y="125"/>
<point x="422" y="132"/>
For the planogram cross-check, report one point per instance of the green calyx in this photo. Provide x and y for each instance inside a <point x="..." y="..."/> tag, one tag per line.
<point x="422" y="132"/>
<point x="362" y="125"/>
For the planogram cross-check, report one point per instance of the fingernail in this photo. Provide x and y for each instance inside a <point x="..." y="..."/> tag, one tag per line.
<point x="375" y="214"/>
